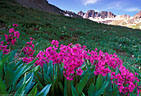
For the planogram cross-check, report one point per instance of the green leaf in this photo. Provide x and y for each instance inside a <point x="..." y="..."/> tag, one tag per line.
<point x="80" y="86"/>
<point x="45" y="90"/>
<point x="60" y="86"/>
<point x="20" y="90"/>
<point x="101" y="90"/>
<point x="35" y="69"/>
<point x="60" y="71"/>
<point x="9" y="76"/>
<point x="74" y="92"/>
<point x="65" y="87"/>
<point x="26" y="85"/>
<point x="30" y="84"/>
<point x="99" y="82"/>
<point x="11" y="55"/>
<point x="33" y="92"/>
<point x="109" y="89"/>
<point x="115" y="90"/>
<point x="2" y="88"/>
<point x="91" y="90"/>
<point x="21" y="70"/>
<point x="47" y="72"/>
<point x="3" y="60"/>
<point x="83" y="94"/>
<point x="1" y="69"/>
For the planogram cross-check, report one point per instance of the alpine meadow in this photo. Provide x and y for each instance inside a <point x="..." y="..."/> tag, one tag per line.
<point x="46" y="51"/>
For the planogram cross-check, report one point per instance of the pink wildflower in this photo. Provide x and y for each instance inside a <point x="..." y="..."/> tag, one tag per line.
<point x="79" y="71"/>
<point x="11" y="30"/>
<point x="15" y="25"/>
<point x="55" y="43"/>
<point x="6" y="51"/>
<point x="16" y="34"/>
<point x="27" y="60"/>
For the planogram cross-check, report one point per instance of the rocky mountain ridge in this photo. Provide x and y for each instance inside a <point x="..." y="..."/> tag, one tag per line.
<point x="93" y="14"/>
<point x="110" y="18"/>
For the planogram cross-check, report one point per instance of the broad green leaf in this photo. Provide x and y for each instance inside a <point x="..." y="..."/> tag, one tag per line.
<point x="2" y="87"/>
<point x="20" y="90"/>
<point x="91" y="90"/>
<point x="74" y="92"/>
<point x="99" y="82"/>
<point x="3" y="60"/>
<point x="65" y="87"/>
<point x="9" y="76"/>
<point x="109" y="90"/>
<point x="45" y="90"/>
<point x="80" y="86"/>
<point x="33" y="92"/>
<point x="30" y="84"/>
<point x="101" y="90"/>
<point x="1" y="69"/>
<point x="25" y="87"/>
<point x="22" y="70"/>
<point x="83" y="94"/>
<point x="60" y="86"/>
<point x="115" y="90"/>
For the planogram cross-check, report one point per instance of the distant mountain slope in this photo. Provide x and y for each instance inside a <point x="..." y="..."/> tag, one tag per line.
<point x="110" y="18"/>
<point x="43" y="5"/>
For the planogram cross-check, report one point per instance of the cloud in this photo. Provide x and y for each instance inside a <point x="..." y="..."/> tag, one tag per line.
<point x="118" y="5"/>
<point x="132" y="9"/>
<point x="86" y="2"/>
<point x="121" y="5"/>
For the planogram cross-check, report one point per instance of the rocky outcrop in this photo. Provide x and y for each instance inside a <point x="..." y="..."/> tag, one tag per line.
<point x="105" y="14"/>
<point x="125" y="16"/>
<point x="138" y="15"/>
<point x="93" y="14"/>
<point x="81" y="13"/>
<point x="90" y="13"/>
<point x="72" y="14"/>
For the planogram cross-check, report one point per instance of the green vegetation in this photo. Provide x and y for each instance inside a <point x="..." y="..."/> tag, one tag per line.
<point x="45" y="27"/>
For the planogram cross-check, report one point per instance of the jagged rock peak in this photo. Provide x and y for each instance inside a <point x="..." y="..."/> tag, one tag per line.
<point x="81" y="13"/>
<point x="138" y="15"/>
<point x="93" y="14"/>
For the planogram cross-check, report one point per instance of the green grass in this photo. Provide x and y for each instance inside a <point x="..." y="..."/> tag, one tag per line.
<point x="44" y="27"/>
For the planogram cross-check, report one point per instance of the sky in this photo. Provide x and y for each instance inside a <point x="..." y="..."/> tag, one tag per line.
<point x="118" y="7"/>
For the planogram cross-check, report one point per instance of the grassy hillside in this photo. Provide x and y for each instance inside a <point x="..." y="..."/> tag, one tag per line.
<point x="44" y="27"/>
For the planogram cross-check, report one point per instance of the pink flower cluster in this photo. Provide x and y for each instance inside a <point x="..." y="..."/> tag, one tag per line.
<point x="105" y="63"/>
<point x="10" y="39"/>
<point x="4" y="48"/>
<point x="125" y="80"/>
<point x="55" y="43"/>
<point x="28" y="51"/>
<point x="73" y="58"/>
